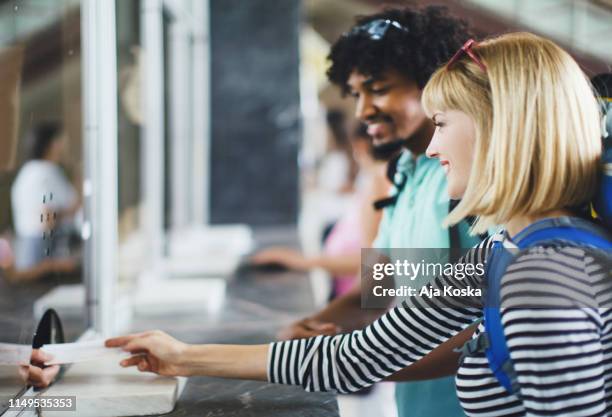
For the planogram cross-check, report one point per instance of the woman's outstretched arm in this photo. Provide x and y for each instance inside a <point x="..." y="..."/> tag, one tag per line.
<point x="158" y="352"/>
<point x="343" y="363"/>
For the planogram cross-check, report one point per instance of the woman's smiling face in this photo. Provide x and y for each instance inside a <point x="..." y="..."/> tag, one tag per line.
<point x="453" y="145"/>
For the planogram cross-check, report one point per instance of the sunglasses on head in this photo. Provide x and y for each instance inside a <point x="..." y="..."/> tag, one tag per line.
<point x="467" y="49"/>
<point x="376" y="29"/>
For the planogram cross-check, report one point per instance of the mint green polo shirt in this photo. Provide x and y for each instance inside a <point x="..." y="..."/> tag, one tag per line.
<point x="415" y="221"/>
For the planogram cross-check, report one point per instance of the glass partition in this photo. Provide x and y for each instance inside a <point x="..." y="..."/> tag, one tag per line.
<point x="41" y="171"/>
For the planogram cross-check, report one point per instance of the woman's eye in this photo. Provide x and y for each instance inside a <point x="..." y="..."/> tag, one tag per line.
<point x="438" y="124"/>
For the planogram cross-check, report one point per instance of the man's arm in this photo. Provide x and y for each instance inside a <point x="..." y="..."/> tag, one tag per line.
<point x="441" y="362"/>
<point x="346" y="311"/>
<point x="344" y="314"/>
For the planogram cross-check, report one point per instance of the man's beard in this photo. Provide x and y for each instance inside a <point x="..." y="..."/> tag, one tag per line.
<point x="386" y="151"/>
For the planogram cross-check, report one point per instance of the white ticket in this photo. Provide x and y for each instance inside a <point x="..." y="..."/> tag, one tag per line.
<point x="66" y="353"/>
<point x="12" y="354"/>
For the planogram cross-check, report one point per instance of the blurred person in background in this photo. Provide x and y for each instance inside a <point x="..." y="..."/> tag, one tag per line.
<point x="40" y="270"/>
<point x="336" y="171"/>
<point x="355" y="229"/>
<point x="44" y="202"/>
<point x="332" y="184"/>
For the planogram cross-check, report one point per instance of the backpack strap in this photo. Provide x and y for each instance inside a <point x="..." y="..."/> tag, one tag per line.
<point x="492" y="342"/>
<point x="497" y="351"/>
<point x="472" y="346"/>
<point x="398" y="183"/>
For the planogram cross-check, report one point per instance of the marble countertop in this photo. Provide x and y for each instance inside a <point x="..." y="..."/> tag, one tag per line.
<point x="257" y="304"/>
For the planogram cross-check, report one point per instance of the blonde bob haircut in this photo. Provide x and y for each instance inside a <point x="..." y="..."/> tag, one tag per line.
<point x="538" y="133"/>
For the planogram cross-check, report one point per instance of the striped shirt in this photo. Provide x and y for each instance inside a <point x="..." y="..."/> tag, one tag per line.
<point x="562" y="356"/>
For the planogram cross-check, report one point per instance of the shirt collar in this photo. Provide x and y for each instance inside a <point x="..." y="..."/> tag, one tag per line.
<point x="407" y="162"/>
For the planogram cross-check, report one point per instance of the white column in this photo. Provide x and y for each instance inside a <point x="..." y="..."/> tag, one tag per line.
<point x="153" y="127"/>
<point x="201" y="108"/>
<point x="100" y="134"/>
<point x="180" y="116"/>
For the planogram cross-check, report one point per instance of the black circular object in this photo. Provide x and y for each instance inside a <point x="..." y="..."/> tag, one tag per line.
<point x="49" y="330"/>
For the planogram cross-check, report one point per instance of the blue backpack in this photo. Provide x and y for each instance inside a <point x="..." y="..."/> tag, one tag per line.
<point x="568" y="231"/>
<point x="565" y="230"/>
<point x="602" y="204"/>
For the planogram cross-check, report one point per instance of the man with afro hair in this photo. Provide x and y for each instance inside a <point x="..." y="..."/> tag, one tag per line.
<point x="384" y="62"/>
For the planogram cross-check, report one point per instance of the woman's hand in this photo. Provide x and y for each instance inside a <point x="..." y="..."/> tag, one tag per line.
<point x="37" y="374"/>
<point x="286" y="257"/>
<point x="154" y="351"/>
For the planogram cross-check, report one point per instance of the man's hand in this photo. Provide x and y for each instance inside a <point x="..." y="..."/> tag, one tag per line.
<point x="306" y="328"/>
<point x="289" y="258"/>
<point x="154" y="351"/>
<point x="37" y="374"/>
<point x="7" y="258"/>
<point x="62" y="266"/>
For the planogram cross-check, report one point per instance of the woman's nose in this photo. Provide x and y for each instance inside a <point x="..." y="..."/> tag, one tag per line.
<point x="432" y="149"/>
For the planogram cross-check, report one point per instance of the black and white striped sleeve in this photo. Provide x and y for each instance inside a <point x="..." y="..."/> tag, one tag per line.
<point x="554" y="328"/>
<point x="349" y="362"/>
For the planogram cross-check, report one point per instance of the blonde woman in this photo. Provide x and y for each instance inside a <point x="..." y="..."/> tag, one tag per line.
<point x="518" y="133"/>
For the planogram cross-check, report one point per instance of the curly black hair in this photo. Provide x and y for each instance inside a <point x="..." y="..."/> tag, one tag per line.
<point x="431" y="38"/>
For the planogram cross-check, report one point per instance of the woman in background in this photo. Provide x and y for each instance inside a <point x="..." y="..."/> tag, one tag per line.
<point x="44" y="202"/>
